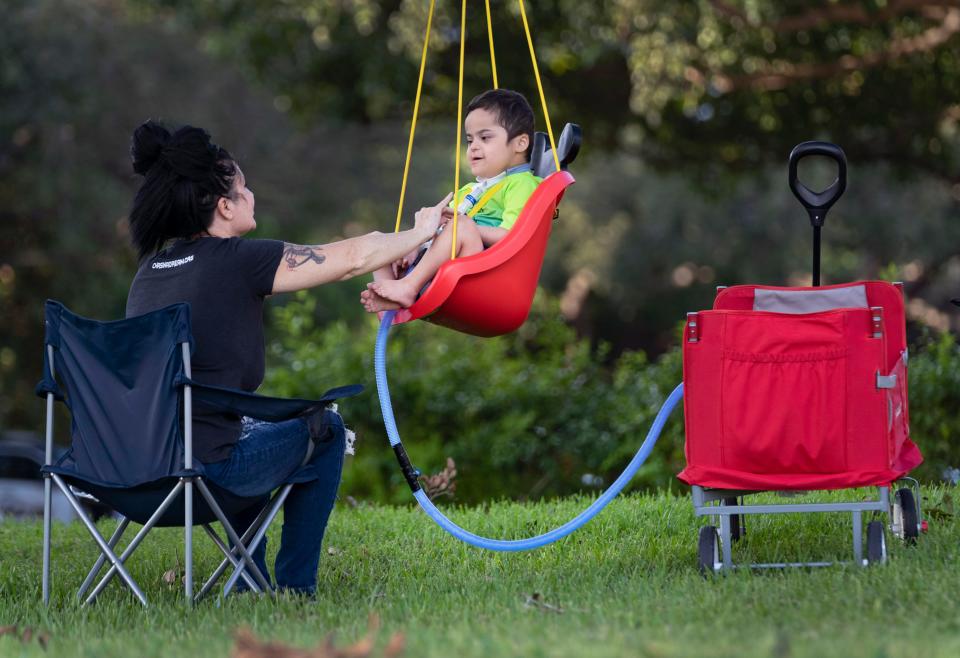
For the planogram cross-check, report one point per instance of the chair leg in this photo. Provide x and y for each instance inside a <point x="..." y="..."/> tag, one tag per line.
<point x="274" y="508"/>
<point x="47" y="489"/>
<point x="188" y="542"/>
<point x="134" y="543"/>
<point x="103" y="558"/>
<point x="106" y="550"/>
<point x="232" y="535"/>
<point x="229" y="558"/>
<point x="47" y="511"/>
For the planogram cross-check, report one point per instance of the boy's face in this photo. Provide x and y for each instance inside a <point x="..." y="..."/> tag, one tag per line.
<point x="488" y="150"/>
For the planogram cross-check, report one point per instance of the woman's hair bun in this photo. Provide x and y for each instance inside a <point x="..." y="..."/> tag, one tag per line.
<point x="185" y="175"/>
<point x="148" y="142"/>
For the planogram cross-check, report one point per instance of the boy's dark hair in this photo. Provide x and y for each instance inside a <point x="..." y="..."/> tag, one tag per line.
<point x="185" y="174"/>
<point x="512" y="109"/>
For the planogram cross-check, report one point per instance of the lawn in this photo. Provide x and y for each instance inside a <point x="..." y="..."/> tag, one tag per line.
<point x="625" y="585"/>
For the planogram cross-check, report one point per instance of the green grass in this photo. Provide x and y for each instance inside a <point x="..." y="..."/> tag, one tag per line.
<point x="626" y="585"/>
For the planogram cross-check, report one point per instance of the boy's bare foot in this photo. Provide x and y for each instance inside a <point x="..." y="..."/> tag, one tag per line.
<point x="374" y="303"/>
<point x="401" y="291"/>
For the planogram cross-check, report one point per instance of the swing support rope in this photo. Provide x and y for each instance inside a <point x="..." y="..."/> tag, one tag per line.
<point x="416" y="111"/>
<point x="543" y="102"/>
<point x="493" y="57"/>
<point x="411" y="474"/>
<point x="496" y="85"/>
<point x="456" y="153"/>
<point x="536" y="74"/>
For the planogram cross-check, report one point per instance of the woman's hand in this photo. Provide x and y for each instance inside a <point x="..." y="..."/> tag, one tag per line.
<point x="428" y="219"/>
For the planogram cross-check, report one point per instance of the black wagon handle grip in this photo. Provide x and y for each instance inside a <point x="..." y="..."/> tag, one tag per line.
<point x="818" y="203"/>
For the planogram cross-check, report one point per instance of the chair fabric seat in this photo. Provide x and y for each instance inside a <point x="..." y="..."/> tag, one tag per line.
<point x="139" y="503"/>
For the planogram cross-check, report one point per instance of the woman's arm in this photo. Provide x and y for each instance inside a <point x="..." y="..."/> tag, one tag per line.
<point x="307" y="266"/>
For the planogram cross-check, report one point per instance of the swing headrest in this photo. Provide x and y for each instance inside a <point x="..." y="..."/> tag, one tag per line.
<point x="568" y="146"/>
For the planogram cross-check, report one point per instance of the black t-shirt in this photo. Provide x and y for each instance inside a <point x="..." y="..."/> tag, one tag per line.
<point x="224" y="281"/>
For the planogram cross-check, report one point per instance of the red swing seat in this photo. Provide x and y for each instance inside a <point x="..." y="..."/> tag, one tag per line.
<point x="490" y="293"/>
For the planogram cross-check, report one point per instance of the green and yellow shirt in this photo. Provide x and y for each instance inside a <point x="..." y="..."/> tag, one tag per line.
<point x="503" y="206"/>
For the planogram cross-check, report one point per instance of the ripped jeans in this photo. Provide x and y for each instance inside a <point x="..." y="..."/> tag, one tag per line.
<point x="263" y="458"/>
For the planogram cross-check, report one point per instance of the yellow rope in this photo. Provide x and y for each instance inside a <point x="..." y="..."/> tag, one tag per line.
<point x="456" y="157"/>
<point x="493" y="57"/>
<point x="413" y="122"/>
<point x="536" y="73"/>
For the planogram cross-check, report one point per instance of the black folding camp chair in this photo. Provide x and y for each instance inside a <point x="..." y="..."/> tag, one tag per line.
<point x="127" y="386"/>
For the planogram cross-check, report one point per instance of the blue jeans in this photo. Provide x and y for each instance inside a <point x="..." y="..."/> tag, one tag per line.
<point x="264" y="457"/>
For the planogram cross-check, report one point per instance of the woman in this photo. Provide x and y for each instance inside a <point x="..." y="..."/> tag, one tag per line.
<point x="187" y="223"/>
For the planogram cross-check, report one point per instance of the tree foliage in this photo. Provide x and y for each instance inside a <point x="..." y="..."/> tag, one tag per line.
<point x="712" y="83"/>
<point x="76" y="79"/>
<point x="532" y="414"/>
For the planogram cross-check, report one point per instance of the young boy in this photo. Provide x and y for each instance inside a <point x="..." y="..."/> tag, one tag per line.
<point x="499" y="128"/>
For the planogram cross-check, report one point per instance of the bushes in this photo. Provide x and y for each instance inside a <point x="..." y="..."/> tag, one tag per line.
<point x="532" y="414"/>
<point x="537" y="413"/>
<point x="935" y="403"/>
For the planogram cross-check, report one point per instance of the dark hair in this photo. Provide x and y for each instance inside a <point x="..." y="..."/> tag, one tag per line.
<point x="512" y="109"/>
<point x="184" y="177"/>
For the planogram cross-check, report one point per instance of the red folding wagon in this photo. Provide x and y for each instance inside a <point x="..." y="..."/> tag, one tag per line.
<point x="799" y="389"/>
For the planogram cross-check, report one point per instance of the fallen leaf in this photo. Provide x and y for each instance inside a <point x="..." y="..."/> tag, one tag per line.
<point x="536" y="601"/>
<point x="246" y="645"/>
<point x="26" y="635"/>
<point x="396" y="645"/>
<point x="364" y="646"/>
<point x="442" y="483"/>
<point x="170" y="576"/>
<point x="781" y="645"/>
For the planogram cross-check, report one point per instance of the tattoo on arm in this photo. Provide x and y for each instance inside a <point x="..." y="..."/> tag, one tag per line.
<point x="296" y="255"/>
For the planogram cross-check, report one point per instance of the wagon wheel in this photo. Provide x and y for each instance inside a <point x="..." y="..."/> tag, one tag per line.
<point x="906" y="523"/>
<point x="876" y="543"/>
<point x="708" y="550"/>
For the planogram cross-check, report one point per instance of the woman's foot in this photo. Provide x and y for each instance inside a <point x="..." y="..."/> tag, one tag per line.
<point x="399" y="291"/>
<point x="374" y="303"/>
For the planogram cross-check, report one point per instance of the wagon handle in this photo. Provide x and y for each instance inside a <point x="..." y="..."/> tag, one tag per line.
<point x="817" y="203"/>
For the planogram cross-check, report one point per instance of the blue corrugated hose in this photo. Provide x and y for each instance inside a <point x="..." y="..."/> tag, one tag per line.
<point x="380" y="365"/>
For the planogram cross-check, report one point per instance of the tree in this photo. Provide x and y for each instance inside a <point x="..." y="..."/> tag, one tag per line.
<point x="76" y="79"/>
<point x="706" y="84"/>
